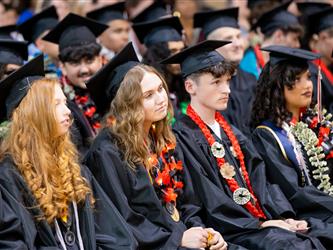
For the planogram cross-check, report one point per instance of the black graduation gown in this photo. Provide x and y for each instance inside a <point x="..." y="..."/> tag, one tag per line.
<point x="306" y="199"/>
<point x="101" y="227"/>
<point x="326" y="88"/>
<point x="81" y="131"/>
<point x="234" y="222"/>
<point x="238" y="112"/>
<point x="133" y="195"/>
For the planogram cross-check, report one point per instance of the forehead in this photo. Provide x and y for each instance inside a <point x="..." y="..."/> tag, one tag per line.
<point x="118" y="23"/>
<point x="223" y="32"/>
<point x="58" y="93"/>
<point x="150" y="81"/>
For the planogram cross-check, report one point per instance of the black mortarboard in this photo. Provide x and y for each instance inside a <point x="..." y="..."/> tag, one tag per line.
<point x="6" y="30"/>
<point x="200" y="56"/>
<point x="103" y="86"/>
<point x="13" y="52"/>
<point x="15" y="87"/>
<point x="278" y="54"/>
<point x="35" y="26"/>
<point x="212" y="20"/>
<point x="108" y="13"/>
<point x="278" y="17"/>
<point x="161" y="30"/>
<point x="155" y="11"/>
<point x="75" y="30"/>
<point x="308" y="8"/>
<point x="320" y="21"/>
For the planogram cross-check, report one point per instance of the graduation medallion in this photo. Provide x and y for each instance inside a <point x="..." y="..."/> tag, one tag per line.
<point x="218" y="150"/>
<point x="241" y="196"/>
<point x="69" y="238"/>
<point x="227" y="171"/>
<point x="173" y="211"/>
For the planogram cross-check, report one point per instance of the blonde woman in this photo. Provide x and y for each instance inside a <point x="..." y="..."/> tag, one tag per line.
<point x="41" y="181"/>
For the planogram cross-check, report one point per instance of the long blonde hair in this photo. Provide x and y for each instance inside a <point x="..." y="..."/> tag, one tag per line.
<point x="48" y="163"/>
<point x="127" y="115"/>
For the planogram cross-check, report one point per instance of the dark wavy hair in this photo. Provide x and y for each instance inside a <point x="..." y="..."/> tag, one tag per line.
<point x="269" y="103"/>
<point x="77" y="53"/>
<point x="223" y="68"/>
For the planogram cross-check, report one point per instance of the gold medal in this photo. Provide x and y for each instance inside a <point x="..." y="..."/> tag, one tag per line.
<point x="241" y="196"/>
<point x="227" y="171"/>
<point x="218" y="150"/>
<point x="173" y="211"/>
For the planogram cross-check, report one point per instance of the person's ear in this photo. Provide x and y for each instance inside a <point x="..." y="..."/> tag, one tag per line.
<point x="190" y="86"/>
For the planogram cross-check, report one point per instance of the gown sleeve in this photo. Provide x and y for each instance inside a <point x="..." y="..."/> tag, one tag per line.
<point x="113" y="232"/>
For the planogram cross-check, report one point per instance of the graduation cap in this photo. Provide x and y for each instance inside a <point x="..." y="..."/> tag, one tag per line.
<point x="161" y="30"/>
<point x="278" y="17"/>
<point x="200" y="56"/>
<point x="35" y="26"/>
<point x="75" y="30"/>
<point x="155" y="11"/>
<point x="103" y="86"/>
<point x="5" y="31"/>
<point x="281" y="53"/>
<point x="320" y="21"/>
<point x="13" y="52"/>
<point x="212" y="20"/>
<point x="15" y="87"/>
<point x="308" y="8"/>
<point x="108" y="13"/>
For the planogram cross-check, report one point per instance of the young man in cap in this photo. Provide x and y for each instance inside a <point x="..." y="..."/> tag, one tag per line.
<point x="278" y="27"/>
<point x="227" y="173"/>
<point x="33" y="31"/>
<point x="80" y="58"/>
<point x="117" y="35"/>
<point x="223" y="25"/>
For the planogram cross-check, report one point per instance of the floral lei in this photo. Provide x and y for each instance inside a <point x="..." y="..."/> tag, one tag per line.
<point x="83" y="100"/>
<point x="227" y="171"/>
<point x="317" y="148"/>
<point x="166" y="175"/>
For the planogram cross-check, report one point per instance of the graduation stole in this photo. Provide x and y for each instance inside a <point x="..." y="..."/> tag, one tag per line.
<point x="242" y="196"/>
<point x="166" y="176"/>
<point x="259" y="56"/>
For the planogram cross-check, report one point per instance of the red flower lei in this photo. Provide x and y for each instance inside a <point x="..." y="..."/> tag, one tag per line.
<point x="167" y="175"/>
<point x="255" y="210"/>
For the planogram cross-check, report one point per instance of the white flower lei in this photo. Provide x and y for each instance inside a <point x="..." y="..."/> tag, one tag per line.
<point x="316" y="155"/>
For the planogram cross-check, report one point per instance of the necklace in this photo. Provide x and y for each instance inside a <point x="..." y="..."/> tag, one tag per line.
<point x="242" y="196"/>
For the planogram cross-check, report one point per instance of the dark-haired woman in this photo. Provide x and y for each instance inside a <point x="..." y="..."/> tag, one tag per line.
<point x="285" y="135"/>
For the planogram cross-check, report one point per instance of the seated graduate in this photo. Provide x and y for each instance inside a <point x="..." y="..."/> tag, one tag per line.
<point x="135" y="161"/>
<point x="49" y="200"/>
<point x="294" y="144"/>
<point x="12" y="56"/>
<point x="163" y="37"/>
<point x="228" y="174"/>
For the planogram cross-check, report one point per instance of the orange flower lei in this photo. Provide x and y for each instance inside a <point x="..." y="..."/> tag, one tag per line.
<point x="255" y="208"/>
<point x="167" y="175"/>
